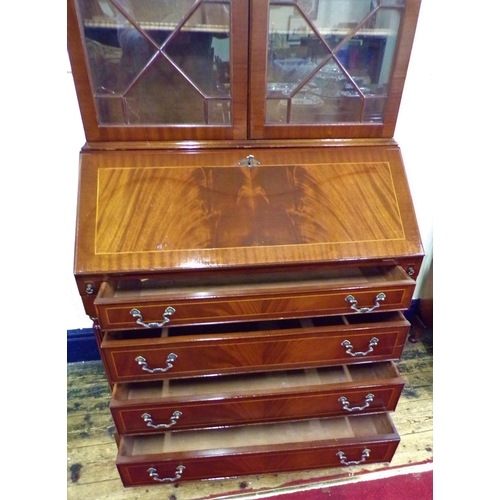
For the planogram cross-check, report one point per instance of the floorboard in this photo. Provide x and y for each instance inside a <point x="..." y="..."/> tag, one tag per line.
<point x="92" y="474"/>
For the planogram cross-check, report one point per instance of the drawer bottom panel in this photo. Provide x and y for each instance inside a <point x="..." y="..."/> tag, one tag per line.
<point x="256" y="449"/>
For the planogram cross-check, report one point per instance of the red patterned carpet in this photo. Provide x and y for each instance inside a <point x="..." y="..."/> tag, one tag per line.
<point x="407" y="484"/>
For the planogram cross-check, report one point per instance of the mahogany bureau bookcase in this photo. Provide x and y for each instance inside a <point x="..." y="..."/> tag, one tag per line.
<point x="246" y="242"/>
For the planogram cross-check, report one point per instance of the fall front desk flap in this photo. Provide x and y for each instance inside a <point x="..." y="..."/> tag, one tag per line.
<point x="172" y="210"/>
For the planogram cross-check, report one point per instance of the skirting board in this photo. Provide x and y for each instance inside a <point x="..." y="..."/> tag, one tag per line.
<point x="82" y="345"/>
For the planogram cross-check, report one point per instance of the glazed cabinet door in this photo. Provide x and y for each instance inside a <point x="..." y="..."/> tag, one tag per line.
<point x="174" y="70"/>
<point x="328" y="68"/>
<point x="160" y="69"/>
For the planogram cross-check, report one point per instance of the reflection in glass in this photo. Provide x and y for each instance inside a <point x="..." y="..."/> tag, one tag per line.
<point x="330" y="61"/>
<point x="155" y="62"/>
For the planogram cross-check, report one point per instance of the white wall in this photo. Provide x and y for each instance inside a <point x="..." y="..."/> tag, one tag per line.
<point x="75" y="314"/>
<point x="420" y="111"/>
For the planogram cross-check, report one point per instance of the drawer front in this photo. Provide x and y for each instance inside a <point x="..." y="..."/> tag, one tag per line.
<point x="251" y="302"/>
<point x="161" y="472"/>
<point x="237" y="353"/>
<point x="246" y="410"/>
<point x="255" y="449"/>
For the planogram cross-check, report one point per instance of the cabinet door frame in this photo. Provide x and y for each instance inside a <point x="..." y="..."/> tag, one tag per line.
<point x="95" y="132"/>
<point x="258" y="129"/>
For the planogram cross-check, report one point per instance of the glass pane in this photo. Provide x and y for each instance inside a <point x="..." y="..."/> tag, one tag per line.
<point x="219" y="112"/>
<point x="155" y="62"/>
<point x="194" y="51"/>
<point x="330" y="61"/>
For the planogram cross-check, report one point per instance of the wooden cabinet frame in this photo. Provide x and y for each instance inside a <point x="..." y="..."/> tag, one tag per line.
<point x="303" y="237"/>
<point x="258" y="46"/>
<point x="124" y="134"/>
<point x="249" y="40"/>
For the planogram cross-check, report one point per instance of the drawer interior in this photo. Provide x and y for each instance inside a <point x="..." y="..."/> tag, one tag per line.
<point x="297" y="432"/>
<point x="254" y="326"/>
<point x="123" y="289"/>
<point x="258" y="383"/>
<point x="358" y="319"/>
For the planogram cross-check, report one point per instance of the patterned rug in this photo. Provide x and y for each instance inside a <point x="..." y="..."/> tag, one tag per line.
<point x="408" y="483"/>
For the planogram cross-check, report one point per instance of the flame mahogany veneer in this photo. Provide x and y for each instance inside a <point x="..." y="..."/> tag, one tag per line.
<point x="205" y="274"/>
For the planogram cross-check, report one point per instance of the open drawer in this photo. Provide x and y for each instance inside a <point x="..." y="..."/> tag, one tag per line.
<point x="256" y="449"/>
<point x="159" y="406"/>
<point x="151" y="303"/>
<point x="231" y="348"/>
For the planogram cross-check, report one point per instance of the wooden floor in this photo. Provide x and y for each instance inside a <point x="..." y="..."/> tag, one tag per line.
<point x="92" y="474"/>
